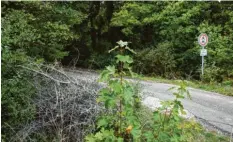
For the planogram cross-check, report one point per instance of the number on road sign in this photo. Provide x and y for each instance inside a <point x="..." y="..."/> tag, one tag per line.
<point x="203" y="39"/>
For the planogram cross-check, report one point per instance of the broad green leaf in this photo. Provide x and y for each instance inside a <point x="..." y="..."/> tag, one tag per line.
<point x="102" y="122"/>
<point x="105" y="91"/>
<point x="104" y="75"/>
<point x="124" y="59"/>
<point x="90" y="138"/>
<point x="111" y="69"/>
<point x="126" y="66"/>
<point x="120" y="139"/>
<point x="99" y="136"/>
<point x="116" y="86"/>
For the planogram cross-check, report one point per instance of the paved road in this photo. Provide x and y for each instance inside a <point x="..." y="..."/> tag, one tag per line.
<point x="215" y="111"/>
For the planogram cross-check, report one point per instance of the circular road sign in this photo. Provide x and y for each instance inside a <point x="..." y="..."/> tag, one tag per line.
<point x="203" y="39"/>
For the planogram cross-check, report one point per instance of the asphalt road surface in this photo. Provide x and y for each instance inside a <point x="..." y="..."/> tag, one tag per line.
<point x="214" y="111"/>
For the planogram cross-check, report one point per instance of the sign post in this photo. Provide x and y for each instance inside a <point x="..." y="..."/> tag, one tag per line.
<point x="203" y="41"/>
<point x="202" y="62"/>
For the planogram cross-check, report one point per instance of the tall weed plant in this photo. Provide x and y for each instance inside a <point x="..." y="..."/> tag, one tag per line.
<point x="120" y="120"/>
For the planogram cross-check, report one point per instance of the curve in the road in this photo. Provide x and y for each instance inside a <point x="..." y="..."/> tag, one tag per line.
<point x="211" y="109"/>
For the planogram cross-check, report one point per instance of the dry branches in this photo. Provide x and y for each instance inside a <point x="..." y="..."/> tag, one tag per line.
<point x="66" y="108"/>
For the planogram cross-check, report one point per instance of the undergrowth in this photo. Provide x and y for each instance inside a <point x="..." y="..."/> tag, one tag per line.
<point x="124" y="119"/>
<point x="224" y="88"/>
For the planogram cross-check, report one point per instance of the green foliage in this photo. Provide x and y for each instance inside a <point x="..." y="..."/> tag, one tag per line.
<point x="99" y="61"/>
<point x="191" y="130"/>
<point x="122" y="120"/>
<point x="119" y="99"/>
<point x="164" y="34"/>
<point x="158" y="60"/>
<point x="212" y="74"/>
<point x="103" y="135"/>
<point x="219" y="51"/>
<point x="223" y="88"/>
<point x="17" y="93"/>
<point x="42" y="30"/>
<point x="167" y="124"/>
<point x="173" y="28"/>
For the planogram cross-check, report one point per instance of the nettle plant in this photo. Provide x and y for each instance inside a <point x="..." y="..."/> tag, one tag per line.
<point x="120" y="121"/>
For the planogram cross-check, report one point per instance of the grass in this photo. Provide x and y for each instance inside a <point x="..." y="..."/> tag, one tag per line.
<point x="222" y="88"/>
<point x="225" y="88"/>
<point x="195" y="131"/>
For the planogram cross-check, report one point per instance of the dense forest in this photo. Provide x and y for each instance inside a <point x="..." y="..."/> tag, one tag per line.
<point x="164" y="34"/>
<point x="80" y="34"/>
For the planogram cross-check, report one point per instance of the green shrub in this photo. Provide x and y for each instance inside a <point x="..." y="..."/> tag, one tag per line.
<point x="157" y="60"/>
<point x="99" y="61"/>
<point x="227" y="83"/>
<point x="212" y="74"/>
<point x="17" y="93"/>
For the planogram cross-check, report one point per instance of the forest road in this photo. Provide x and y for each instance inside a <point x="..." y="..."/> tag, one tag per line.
<point x="213" y="110"/>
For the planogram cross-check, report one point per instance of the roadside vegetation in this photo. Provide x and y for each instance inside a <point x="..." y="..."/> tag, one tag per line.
<point x="39" y="37"/>
<point x="124" y="119"/>
<point x="224" y="88"/>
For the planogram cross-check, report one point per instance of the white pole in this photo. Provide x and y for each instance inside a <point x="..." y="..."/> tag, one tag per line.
<point x="202" y="63"/>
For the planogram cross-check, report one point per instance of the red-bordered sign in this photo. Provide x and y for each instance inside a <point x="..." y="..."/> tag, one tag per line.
<point x="203" y="39"/>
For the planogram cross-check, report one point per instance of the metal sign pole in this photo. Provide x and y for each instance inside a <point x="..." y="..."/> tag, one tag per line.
<point x="202" y="63"/>
<point x="203" y="40"/>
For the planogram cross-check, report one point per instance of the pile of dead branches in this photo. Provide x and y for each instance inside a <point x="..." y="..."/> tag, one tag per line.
<point x="66" y="107"/>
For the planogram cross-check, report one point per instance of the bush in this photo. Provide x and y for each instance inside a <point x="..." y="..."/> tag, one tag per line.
<point x="99" y="61"/>
<point x="157" y="61"/>
<point x="212" y="74"/>
<point x="228" y="83"/>
<point x="17" y="92"/>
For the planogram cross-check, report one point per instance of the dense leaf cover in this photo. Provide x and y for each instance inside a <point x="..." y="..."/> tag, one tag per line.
<point x="163" y="33"/>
